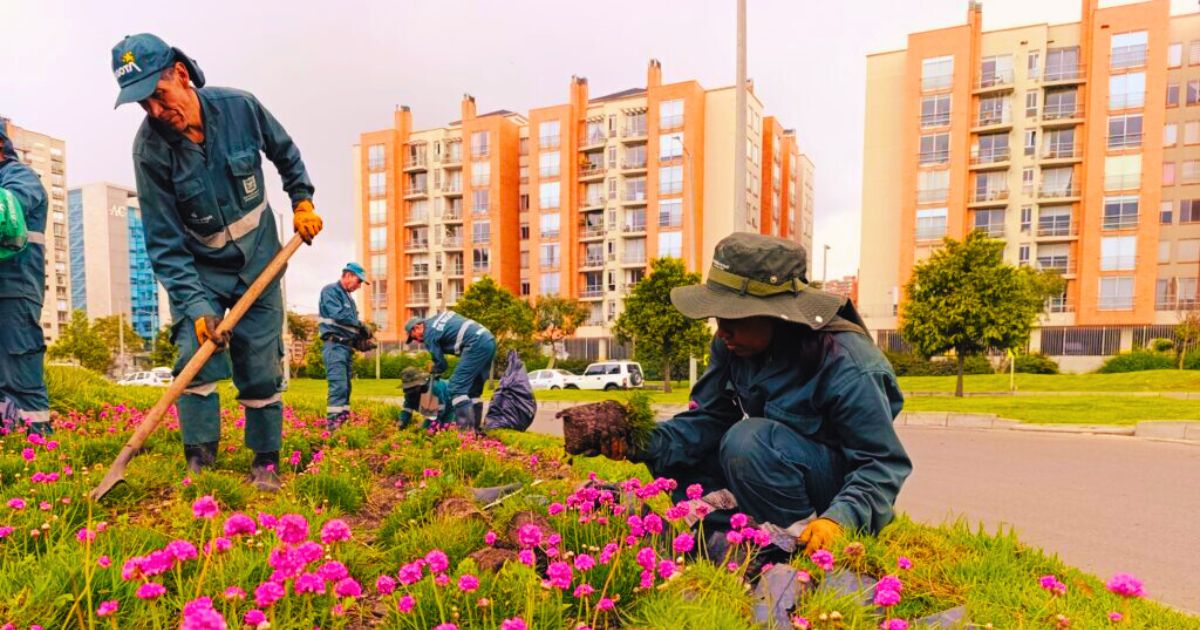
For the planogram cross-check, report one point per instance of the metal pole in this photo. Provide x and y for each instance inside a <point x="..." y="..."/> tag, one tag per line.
<point x="121" y="342"/>
<point x="825" y="267"/>
<point x="739" y="138"/>
<point x="378" y="361"/>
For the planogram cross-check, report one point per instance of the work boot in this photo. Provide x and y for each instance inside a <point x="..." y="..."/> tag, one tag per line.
<point x="464" y="417"/>
<point x="264" y="471"/>
<point x="39" y="428"/>
<point x="335" y="422"/>
<point x="200" y="456"/>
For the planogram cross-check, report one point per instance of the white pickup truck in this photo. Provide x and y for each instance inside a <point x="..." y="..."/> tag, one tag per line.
<point x="609" y="375"/>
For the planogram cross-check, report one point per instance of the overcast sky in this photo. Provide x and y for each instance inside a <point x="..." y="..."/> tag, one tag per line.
<point x="330" y="74"/>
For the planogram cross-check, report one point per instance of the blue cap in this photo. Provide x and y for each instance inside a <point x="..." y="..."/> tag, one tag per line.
<point x="357" y="270"/>
<point x="137" y="62"/>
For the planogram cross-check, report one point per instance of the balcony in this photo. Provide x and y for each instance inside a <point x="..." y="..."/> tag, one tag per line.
<point x="592" y="201"/>
<point x="592" y="262"/>
<point x="452" y="215"/>
<point x="1125" y="181"/>
<point x="633" y="197"/>
<point x="452" y="243"/>
<point x="991" y="230"/>
<point x="592" y="141"/>
<point x="591" y="232"/>
<point x="633" y="165"/>
<point x="993" y="122"/>
<point x="1056" y="229"/>
<point x="1061" y="264"/>
<point x="453" y="189"/>
<point x="994" y="82"/>
<point x="416" y="192"/>
<point x="417" y="246"/>
<point x="452" y="158"/>
<point x="591" y="172"/>
<point x="454" y="271"/>
<point x="418" y="271"/>
<point x="1058" y="192"/>
<point x="1059" y="304"/>
<point x="934" y="157"/>
<point x="633" y="228"/>
<point x="1126" y="141"/>
<point x="418" y="299"/>
<point x="1127" y="57"/>
<point x="592" y="292"/>
<point x="419" y="218"/>
<point x="941" y="119"/>
<point x="1063" y="75"/>
<point x="1067" y="153"/>
<point x="480" y="152"/>
<point x="634" y="133"/>
<point x="1119" y="222"/>
<point x="994" y="197"/>
<point x="415" y="163"/>
<point x="996" y="158"/>
<point x="481" y="267"/>
<point x="1172" y="303"/>
<point x="549" y="263"/>
<point x="549" y="235"/>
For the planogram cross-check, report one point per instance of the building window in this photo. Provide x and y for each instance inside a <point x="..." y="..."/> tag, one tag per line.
<point x="549" y="284"/>
<point x="1062" y="63"/>
<point x="1118" y="253"/>
<point x="994" y="110"/>
<point x="1189" y="172"/>
<point x="479" y="144"/>
<point x="549" y="225"/>
<point x="1031" y="103"/>
<point x="1170" y="134"/>
<point x="670" y="244"/>
<point x="1120" y="213"/>
<point x="670" y="114"/>
<point x="935" y="148"/>
<point x="523" y="260"/>
<point x="670" y="180"/>
<point x="377" y="211"/>
<point x="1194" y="53"/>
<point x="378" y="184"/>
<point x="1030" y="142"/>
<point x="933" y="186"/>
<point x="1026" y="219"/>
<point x="931" y="224"/>
<point x="1191" y="132"/>
<point x="1168" y="178"/>
<point x="1164" y="252"/>
<point x="1058" y="182"/>
<point x="1189" y="211"/>
<point x="1054" y="221"/>
<point x="548" y="135"/>
<point x="935" y="110"/>
<point x="524" y="231"/>
<point x="1122" y="172"/>
<point x="670" y="146"/>
<point x="992" y="147"/>
<point x="479" y="201"/>
<point x="524" y="287"/>
<point x="481" y="232"/>
<point x="378" y="238"/>
<point x="670" y="213"/>
<point x="1125" y="131"/>
<point x="1175" y="55"/>
<point x="375" y="159"/>
<point x="1128" y="50"/>
<point x="1189" y="250"/>
<point x="378" y="265"/>
<point x="548" y="164"/>
<point x="549" y="255"/>
<point x="1172" y="94"/>
<point x="990" y="222"/>
<point x="548" y="195"/>
<point x="1116" y="293"/>
<point x="1127" y="90"/>
<point x="481" y="259"/>
<point x="1166" y="212"/>
<point x="1193" y="92"/>
<point x="937" y="73"/>
<point x="1023" y="255"/>
<point x="997" y="70"/>
<point x="481" y="174"/>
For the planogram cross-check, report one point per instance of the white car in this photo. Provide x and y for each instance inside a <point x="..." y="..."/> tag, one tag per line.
<point x="158" y="377"/>
<point x="553" y="379"/>
<point x="609" y="375"/>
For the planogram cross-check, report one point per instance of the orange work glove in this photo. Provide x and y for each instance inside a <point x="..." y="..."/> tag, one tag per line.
<point x="820" y="534"/>
<point x="305" y="220"/>
<point x="206" y="329"/>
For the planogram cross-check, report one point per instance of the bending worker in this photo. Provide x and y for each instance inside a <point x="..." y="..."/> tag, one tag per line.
<point x="451" y="333"/>
<point x="792" y="422"/>
<point x="210" y="232"/>
<point x="341" y="331"/>
<point x="22" y="288"/>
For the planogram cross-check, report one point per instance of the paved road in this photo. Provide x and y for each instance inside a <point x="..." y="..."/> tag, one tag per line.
<point x="1103" y="504"/>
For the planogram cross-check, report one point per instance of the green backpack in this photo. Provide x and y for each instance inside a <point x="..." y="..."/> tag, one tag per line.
<point x="14" y="236"/>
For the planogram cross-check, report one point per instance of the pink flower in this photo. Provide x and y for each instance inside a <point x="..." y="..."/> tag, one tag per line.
<point x="234" y="592"/>
<point x="16" y="504"/>
<point x="683" y="543"/>
<point x="733" y="537"/>
<point x="181" y="550"/>
<point x="516" y="623"/>
<point x="5" y="532"/>
<point x="310" y="583"/>
<point x="267" y="521"/>
<point x="333" y="571"/>
<point x="28" y="454"/>
<point x="205" y="507"/>
<point x="529" y="535"/>
<point x="894" y="624"/>
<point x="1126" y="585"/>
<point x="198" y="614"/>
<point x="653" y="524"/>
<point x="526" y="557"/>
<point x="801" y="623"/>
<point x="468" y="583"/>
<point x="489" y="538"/>
<point x="605" y="604"/>
<point x="890" y="583"/>
<point x="584" y="562"/>
<point x="559" y="574"/>
<point x="292" y="529"/>
<point x="738" y="521"/>
<point x="294" y="460"/>
<point x="886" y="597"/>
<point x="646" y="558"/>
<point x="267" y="593"/>
<point x="334" y="531"/>
<point x="348" y="587"/>
<point x="666" y="569"/>
<point x="406" y="603"/>
<point x="150" y="590"/>
<point x="695" y="491"/>
<point x="583" y="590"/>
<point x="85" y="535"/>
<point x="646" y="579"/>
<point x="410" y="573"/>
<point x="822" y="558"/>
<point x="556" y="509"/>
<point x="1115" y="616"/>
<point x="254" y="617"/>
<point x="104" y="562"/>
<point x="445" y="626"/>
<point x="107" y="608"/>
<point x="238" y="524"/>
<point x="904" y="563"/>
<point x="384" y="585"/>
<point x="222" y="544"/>
<point x="310" y="551"/>
<point x="1051" y="583"/>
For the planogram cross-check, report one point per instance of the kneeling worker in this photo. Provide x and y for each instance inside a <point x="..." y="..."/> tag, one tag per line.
<point x="416" y="383"/>
<point x="451" y="333"/>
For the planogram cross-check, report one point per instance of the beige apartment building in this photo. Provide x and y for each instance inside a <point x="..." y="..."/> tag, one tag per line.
<point x="570" y="199"/>
<point x="47" y="156"/>
<point x="1077" y="144"/>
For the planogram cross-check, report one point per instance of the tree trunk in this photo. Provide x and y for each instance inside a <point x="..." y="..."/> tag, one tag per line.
<point x="958" y="391"/>
<point x="667" y="376"/>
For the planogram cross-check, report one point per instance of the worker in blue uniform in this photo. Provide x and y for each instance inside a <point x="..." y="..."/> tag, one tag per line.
<point x="340" y="330"/>
<point x="210" y="232"/>
<point x="22" y="288"/>
<point x="451" y="333"/>
<point x="416" y="383"/>
<point x="792" y="421"/>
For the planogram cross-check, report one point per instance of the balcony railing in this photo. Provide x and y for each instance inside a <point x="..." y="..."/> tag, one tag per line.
<point x="453" y="242"/>
<point x="634" y="131"/>
<point x="415" y="161"/>
<point x="1118" y="263"/>
<point x="1061" y="264"/>
<point x="992" y="119"/>
<point x="418" y="298"/>
<point x="934" y="157"/>
<point x="633" y="259"/>
<point x="452" y="157"/>
<point x="416" y="245"/>
<point x="940" y="119"/>
<point x="1125" y="181"/>
<point x="593" y="261"/>
<point x="480" y="152"/>
<point x="549" y="234"/>
<point x="1125" y="141"/>
<point x="452" y="215"/>
<point x="983" y="196"/>
<point x="992" y="157"/>
<point x="936" y="82"/>
<point x="591" y="170"/>
<point x="1172" y="303"/>
<point x="1119" y="222"/>
<point x="995" y="80"/>
<point x="549" y="263"/>
<point x="1058" y="192"/>
<point x="633" y="195"/>
<point x="548" y="142"/>
<point x="416" y="190"/>
<point x="419" y="272"/>
<point x="633" y="165"/>
<point x="591" y="231"/>
<point x="592" y="139"/>
<point x="1057" y="227"/>
<point x="933" y="195"/>
<point x="634" y="227"/>
<point x="592" y="292"/>
<point x="454" y="270"/>
<point x="931" y="233"/>
<point x="1058" y="73"/>
<point x="1059" y="305"/>
<point x="417" y="217"/>
<point x="452" y="187"/>
<point x="1128" y="57"/>
<point x="991" y="230"/>
<point x="1061" y="152"/>
<point x="1062" y="112"/>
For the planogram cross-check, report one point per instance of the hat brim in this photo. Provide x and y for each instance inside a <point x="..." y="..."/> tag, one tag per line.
<point x="138" y="90"/>
<point x="811" y="307"/>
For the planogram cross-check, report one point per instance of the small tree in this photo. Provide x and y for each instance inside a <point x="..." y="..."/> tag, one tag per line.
<point x="300" y="327"/>
<point x="659" y="332"/>
<point x="965" y="298"/>
<point x="314" y="361"/>
<point x="1187" y="335"/>
<point x="555" y="318"/>
<point x="80" y="342"/>
<point x="509" y="318"/>
<point x="163" y="352"/>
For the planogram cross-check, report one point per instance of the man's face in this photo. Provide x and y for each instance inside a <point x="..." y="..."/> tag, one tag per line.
<point x="746" y="337"/>
<point x="173" y="102"/>
<point x="350" y="282"/>
<point x="418" y="333"/>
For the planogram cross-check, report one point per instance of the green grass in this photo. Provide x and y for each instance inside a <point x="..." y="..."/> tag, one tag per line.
<point x="1117" y="410"/>
<point x="1148" y="381"/>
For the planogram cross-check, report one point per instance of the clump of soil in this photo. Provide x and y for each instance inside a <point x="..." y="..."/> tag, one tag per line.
<point x="609" y="426"/>
<point x="491" y="560"/>
<point x="458" y="508"/>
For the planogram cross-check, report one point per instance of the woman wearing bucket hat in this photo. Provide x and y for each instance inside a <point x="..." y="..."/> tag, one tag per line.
<point x="793" y="417"/>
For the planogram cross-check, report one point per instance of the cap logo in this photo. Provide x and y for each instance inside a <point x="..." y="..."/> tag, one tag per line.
<point x="130" y="65"/>
<point x="127" y="57"/>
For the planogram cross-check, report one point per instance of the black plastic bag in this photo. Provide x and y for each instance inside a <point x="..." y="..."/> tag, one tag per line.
<point x="513" y="405"/>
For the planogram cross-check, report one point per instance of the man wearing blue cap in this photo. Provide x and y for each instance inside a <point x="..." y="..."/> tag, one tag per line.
<point x="341" y="331"/>
<point x="22" y="288"/>
<point x="210" y="232"/>
<point x="451" y="333"/>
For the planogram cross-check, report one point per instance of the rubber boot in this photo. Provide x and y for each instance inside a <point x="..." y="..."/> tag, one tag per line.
<point x="464" y="417"/>
<point x="39" y="428"/>
<point x="478" y="408"/>
<point x="200" y="456"/>
<point x="264" y="471"/>
<point x="334" y="423"/>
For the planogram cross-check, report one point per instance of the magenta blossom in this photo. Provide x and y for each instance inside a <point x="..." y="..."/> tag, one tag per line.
<point x="738" y="521"/>
<point x="267" y="593"/>
<point x="437" y="561"/>
<point x="584" y="590"/>
<point x="410" y="573"/>
<point x="1115" y="616"/>
<point x="181" y="550"/>
<point x="104" y="562"/>
<point x="556" y="509"/>
<point x="1126" y="585"/>
<point x="559" y="575"/>
<point x="584" y="562"/>
<point x="151" y="590"/>
<point x="1051" y="583"/>
<point x="894" y="624"/>
<point x="801" y="623"/>
<point x="384" y="585"/>
<point x="238" y="524"/>
<point x="468" y="583"/>
<point x="890" y="583"/>
<point x="405" y="604"/>
<point x="334" y="531"/>
<point x="526" y="557"/>
<point x="333" y="571"/>
<point x="646" y="558"/>
<point x="529" y="535"/>
<point x="198" y="614"/>
<point x="292" y="529"/>
<point x="445" y="626"/>
<point x="16" y="504"/>
<point x="516" y="623"/>
<point x="822" y="558"/>
<point x="489" y="538"/>
<point x="683" y="543"/>
<point x="348" y="587"/>
<point x="205" y="507"/>
<point x="107" y="608"/>
<point x="666" y="569"/>
<point x="254" y="617"/>
<point x="310" y="583"/>
<point x="695" y="491"/>
<point x="267" y="521"/>
<point x="886" y="597"/>
<point x="234" y="592"/>
<point x="605" y="603"/>
<point x="904" y="563"/>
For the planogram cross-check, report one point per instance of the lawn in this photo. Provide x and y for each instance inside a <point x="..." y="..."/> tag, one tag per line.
<point x="1064" y="409"/>
<point x="376" y="527"/>
<point x="1148" y="381"/>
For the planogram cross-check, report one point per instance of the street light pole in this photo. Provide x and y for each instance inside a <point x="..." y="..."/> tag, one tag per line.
<point x="825" y="267"/>
<point x="739" y="137"/>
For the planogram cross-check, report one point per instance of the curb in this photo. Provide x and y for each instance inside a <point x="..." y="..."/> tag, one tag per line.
<point x="1175" y="395"/>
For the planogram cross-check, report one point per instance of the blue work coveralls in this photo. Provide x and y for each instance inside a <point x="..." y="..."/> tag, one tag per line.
<point x="209" y="233"/>
<point x="804" y="429"/>
<point x="412" y="403"/>
<point x="451" y="333"/>
<point x="22" y="288"/>
<point x="338" y="326"/>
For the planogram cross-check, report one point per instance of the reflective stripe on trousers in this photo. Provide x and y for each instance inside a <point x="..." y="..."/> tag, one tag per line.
<point x="259" y="403"/>
<point x="232" y="232"/>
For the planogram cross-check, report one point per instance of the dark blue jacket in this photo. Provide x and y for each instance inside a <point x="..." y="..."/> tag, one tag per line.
<point x="833" y="388"/>
<point x="24" y="275"/>
<point x="448" y="333"/>
<point x="338" y="314"/>
<point x="204" y="208"/>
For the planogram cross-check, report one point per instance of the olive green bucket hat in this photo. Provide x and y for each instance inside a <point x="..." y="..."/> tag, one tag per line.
<point x="412" y="377"/>
<point x="758" y="276"/>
